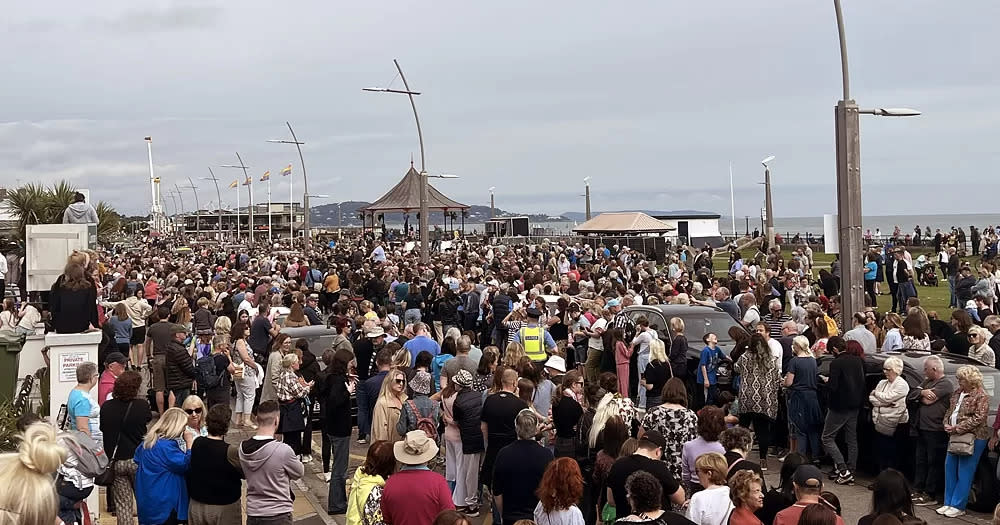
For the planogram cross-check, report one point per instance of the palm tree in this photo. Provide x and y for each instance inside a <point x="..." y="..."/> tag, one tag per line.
<point x="109" y="222"/>
<point x="35" y="204"/>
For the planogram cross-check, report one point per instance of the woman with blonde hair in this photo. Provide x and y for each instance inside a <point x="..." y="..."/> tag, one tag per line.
<point x="29" y="497"/>
<point x="291" y="390"/>
<point x="678" y="348"/>
<point x="805" y="419"/>
<point x="892" y="325"/>
<point x="195" y="409"/>
<point x="710" y="505"/>
<point x="223" y="326"/>
<point x="513" y="354"/>
<point x="967" y="428"/>
<point x="388" y="407"/>
<point x="160" y="488"/>
<point x="979" y="349"/>
<point x="121" y="326"/>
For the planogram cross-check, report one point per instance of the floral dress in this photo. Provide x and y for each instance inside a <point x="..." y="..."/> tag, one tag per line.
<point x="372" y="513"/>
<point x="678" y="426"/>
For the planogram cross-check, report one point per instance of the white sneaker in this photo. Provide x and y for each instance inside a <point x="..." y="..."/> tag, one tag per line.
<point x="952" y="512"/>
<point x="306" y="458"/>
<point x="942" y="510"/>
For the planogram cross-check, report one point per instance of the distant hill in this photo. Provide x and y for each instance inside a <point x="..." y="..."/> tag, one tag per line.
<point x="325" y="215"/>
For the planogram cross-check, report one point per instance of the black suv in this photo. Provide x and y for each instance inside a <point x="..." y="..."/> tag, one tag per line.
<point x="698" y="320"/>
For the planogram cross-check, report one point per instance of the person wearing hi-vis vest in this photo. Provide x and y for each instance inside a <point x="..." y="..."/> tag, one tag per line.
<point x="534" y="338"/>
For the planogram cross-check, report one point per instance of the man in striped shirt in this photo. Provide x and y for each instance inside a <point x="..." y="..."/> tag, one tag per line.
<point x="775" y="318"/>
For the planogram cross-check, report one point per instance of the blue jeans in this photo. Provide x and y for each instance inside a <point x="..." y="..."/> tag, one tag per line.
<point x="904" y="292"/>
<point x="958" y="474"/>
<point x="337" y="497"/>
<point x="411" y="315"/>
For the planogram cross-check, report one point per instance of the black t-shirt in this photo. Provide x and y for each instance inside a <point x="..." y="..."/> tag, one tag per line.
<point x="159" y="333"/>
<point x="518" y="471"/>
<point x="656" y="374"/>
<point x="211" y="479"/>
<point x="260" y="334"/>
<point x="128" y="432"/>
<point x="566" y="416"/>
<point x="624" y="467"/>
<point x="499" y="412"/>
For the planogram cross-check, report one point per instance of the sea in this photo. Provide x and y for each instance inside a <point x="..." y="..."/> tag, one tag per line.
<point x="789" y="226"/>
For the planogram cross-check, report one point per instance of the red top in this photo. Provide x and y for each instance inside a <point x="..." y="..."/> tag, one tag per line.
<point x="105" y="386"/>
<point x="790" y="516"/>
<point x="415" y="497"/>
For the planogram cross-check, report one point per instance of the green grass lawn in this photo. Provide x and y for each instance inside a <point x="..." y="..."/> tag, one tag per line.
<point x="931" y="297"/>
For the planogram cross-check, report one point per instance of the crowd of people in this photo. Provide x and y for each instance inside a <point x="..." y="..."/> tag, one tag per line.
<point x="509" y="380"/>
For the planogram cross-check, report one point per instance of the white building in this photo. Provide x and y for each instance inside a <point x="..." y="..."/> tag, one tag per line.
<point x="694" y="228"/>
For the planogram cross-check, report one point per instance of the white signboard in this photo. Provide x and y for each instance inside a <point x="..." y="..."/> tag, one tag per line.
<point x="68" y="363"/>
<point x="831" y="240"/>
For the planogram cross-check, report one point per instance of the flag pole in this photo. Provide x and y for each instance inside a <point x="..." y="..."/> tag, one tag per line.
<point x="291" y="211"/>
<point x="732" y="199"/>
<point x="237" y="212"/>
<point x="250" y="191"/>
<point x="270" y="240"/>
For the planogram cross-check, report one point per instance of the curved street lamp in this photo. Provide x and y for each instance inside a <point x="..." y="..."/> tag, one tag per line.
<point x="848" y="133"/>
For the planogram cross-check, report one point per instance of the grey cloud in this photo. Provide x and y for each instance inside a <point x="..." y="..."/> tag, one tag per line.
<point x="169" y="18"/>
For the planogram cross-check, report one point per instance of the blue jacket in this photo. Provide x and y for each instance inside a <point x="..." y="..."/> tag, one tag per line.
<point x="159" y="481"/>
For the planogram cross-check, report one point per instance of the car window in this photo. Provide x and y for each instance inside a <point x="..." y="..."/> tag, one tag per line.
<point x="656" y="321"/>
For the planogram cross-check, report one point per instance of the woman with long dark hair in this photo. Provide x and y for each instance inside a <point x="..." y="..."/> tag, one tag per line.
<point x="890" y="495"/>
<point x="73" y="301"/>
<point x="782" y="496"/>
<point x="337" y="390"/>
<point x="758" y="394"/>
<point x="245" y="375"/>
<point x="567" y="408"/>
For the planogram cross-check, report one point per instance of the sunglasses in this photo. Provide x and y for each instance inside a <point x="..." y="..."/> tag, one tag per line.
<point x="192" y="411"/>
<point x="400" y="381"/>
<point x="578" y="383"/>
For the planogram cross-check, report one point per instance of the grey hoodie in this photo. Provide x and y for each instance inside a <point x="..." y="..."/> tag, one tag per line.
<point x="269" y="467"/>
<point x="80" y="213"/>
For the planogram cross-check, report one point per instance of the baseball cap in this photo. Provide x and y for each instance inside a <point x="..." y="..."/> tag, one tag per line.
<point x="116" y="357"/>
<point x="808" y="476"/>
<point x="655" y="438"/>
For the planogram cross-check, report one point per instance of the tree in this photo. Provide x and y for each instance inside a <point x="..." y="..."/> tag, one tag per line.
<point x="35" y="204"/>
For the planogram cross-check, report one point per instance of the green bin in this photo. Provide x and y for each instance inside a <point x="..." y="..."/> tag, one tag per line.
<point x="10" y="351"/>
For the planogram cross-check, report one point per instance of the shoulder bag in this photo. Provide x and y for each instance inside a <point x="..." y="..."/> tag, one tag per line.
<point x="962" y="444"/>
<point x="108" y="476"/>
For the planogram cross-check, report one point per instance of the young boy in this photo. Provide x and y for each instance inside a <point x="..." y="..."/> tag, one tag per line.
<point x="708" y="366"/>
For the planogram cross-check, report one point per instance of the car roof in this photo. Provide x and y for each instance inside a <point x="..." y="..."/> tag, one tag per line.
<point x="676" y="309"/>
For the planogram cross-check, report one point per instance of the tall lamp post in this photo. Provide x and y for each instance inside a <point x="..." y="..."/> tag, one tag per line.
<point x="586" y="180"/>
<point x="492" y="204"/>
<point x="218" y="194"/>
<point x="305" y="180"/>
<point x="848" y="140"/>
<point x="424" y="212"/>
<point x="250" y="207"/>
<point x="769" y="214"/>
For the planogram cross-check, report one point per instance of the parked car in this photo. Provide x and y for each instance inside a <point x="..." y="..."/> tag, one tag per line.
<point x="983" y="496"/>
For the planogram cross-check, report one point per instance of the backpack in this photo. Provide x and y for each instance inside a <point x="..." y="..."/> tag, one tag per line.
<point x="208" y="376"/>
<point x="424" y="423"/>
<point x="92" y="462"/>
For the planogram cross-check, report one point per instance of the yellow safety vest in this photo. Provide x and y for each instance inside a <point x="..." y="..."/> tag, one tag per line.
<point x="533" y="340"/>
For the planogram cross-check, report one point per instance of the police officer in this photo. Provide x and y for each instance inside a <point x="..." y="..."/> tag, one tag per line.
<point x="535" y="339"/>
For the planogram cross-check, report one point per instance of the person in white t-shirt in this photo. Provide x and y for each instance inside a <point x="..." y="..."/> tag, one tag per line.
<point x="710" y="506"/>
<point x="595" y="345"/>
<point x="772" y="344"/>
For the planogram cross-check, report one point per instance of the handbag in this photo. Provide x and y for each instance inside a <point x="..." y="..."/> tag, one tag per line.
<point x="106" y="478"/>
<point x="962" y="444"/>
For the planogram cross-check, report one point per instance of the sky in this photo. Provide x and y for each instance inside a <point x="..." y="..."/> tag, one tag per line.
<point x="651" y="99"/>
